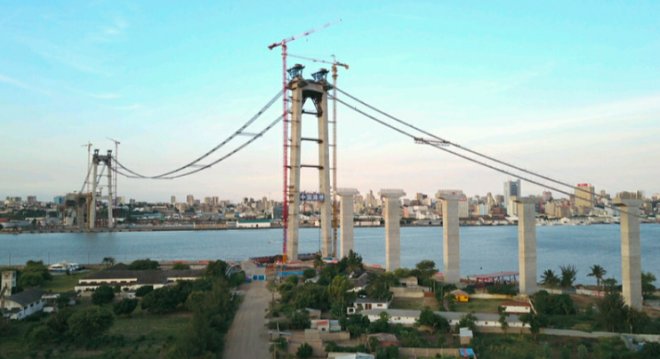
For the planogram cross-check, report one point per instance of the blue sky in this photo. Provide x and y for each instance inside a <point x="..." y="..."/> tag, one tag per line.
<point x="571" y="90"/>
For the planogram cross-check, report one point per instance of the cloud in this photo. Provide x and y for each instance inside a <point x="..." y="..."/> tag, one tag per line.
<point x="117" y="28"/>
<point x="105" y="96"/>
<point x="20" y="84"/>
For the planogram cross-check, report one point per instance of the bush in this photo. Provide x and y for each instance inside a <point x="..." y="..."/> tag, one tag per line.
<point x="300" y="319"/>
<point x="126" y="306"/>
<point x="90" y="322"/>
<point x="309" y="273"/>
<point x="142" y="291"/>
<point x="304" y="351"/>
<point x="103" y="295"/>
<point x="180" y="266"/>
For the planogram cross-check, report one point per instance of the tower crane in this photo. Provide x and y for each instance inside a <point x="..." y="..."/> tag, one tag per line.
<point x="285" y="121"/>
<point x="335" y="209"/>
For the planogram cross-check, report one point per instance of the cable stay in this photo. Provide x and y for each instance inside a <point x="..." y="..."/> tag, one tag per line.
<point x="212" y="150"/>
<point x="442" y="144"/>
<point x="133" y="174"/>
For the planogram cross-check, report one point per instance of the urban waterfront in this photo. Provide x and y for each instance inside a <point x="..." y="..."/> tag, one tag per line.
<point x="483" y="249"/>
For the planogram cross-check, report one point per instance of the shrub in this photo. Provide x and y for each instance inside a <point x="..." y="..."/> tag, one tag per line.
<point x="304" y="351"/>
<point x="103" y="295"/>
<point x="142" y="291"/>
<point x="126" y="306"/>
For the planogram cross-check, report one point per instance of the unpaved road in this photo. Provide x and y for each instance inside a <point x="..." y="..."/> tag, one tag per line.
<point x="248" y="337"/>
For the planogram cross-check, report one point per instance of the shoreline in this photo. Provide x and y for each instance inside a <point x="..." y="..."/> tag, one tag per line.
<point x="183" y="228"/>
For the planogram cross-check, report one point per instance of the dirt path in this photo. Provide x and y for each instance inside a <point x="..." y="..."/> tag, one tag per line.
<point x="248" y="337"/>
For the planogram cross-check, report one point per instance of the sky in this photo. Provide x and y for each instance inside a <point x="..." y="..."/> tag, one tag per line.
<point x="568" y="89"/>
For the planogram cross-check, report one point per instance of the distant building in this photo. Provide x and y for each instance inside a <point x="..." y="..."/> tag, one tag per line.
<point x="584" y="198"/>
<point x="253" y="223"/>
<point x="173" y="200"/>
<point x="190" y="200"/>
<point x="130" y="280"/>
<point x="511" y="189"/>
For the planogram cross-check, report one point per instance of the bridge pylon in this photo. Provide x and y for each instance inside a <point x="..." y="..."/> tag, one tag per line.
<point x="302" y="90"/>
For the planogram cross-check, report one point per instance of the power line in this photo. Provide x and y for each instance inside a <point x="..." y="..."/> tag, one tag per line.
<point x="468" y="158"/>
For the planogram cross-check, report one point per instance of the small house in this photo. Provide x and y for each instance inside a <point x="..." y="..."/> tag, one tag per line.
<point x="516" y="307"/>
<point x="367" y="304"/>
<point x="465" y="335"/>
<point x="409" y="281"/>
<point x="325" y="325"/>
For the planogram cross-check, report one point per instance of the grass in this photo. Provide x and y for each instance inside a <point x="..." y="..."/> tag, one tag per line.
<point x="414" y="303"/>
<point x="64" y="283"/>
<point x="150" y="325"/>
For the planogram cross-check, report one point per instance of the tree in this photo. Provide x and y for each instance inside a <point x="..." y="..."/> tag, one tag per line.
<point x="469" y="320"/>
<point x="304" y="351"/>
<point x="430" y="319"/>
<point x="550" y="279"/>
<point x="648" y="289"/>
<point x="568" y="275"/>
<point x="597" y="272"/>
<point x="103" y="295"/>
<point x="87" y="323"/>
<point x="144" y="290"/>
<point x="217" y="269"/>
<point x="143" y="264"/>
<point x="504" y="324"/>
<point x="612" y="311"/>
<point x="534" y="321"/>
<point x="337" y="289"/>
<point x="354" y="262"/>
<point x="125" y="306"/>
<point x="180" y="266"/>
<point x="609" y="285"/>
<point x="108" y="261"/>
<point x="34" y="274"/>
<point x="309" y="273"/>
<point x="300" y="320"/>
<point x="425" y="269"/>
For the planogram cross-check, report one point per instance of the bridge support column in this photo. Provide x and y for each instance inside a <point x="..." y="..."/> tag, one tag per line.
<point x="392" y="214"/>
<point x="346" y="220"/>
<point x="110" y="188"/>
<point x="631" y="266"/>
<point x="91" y="216"/>
<point x="526" y="246"/>
<point x="451" y="240"/>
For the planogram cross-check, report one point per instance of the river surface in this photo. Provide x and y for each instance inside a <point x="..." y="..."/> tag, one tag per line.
<point x="483" y="249"/>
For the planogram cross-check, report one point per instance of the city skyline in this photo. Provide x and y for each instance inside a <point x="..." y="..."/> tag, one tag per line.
<point x="533" y="85"/>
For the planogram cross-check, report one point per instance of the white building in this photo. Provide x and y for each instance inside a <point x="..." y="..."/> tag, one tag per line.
<point x="409" y="317"/>
<point x="23" y="304"/>
<point x="129" y="280"/>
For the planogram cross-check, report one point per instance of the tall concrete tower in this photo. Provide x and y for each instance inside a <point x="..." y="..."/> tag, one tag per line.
<point x="392" y="214"/>
<point x="526" y="245"/>
<point x="315" y="90"/>
<point x="631" y="252"/>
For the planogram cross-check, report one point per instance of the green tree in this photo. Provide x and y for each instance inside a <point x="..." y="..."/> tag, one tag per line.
<point x="354" y="262"/>
<point x="90" y="322"/>
<point x="469" y="320"/>
<point x="34" y="274"/>
<point x="304" y="351"/>
<point x="108" y="261"/>
<point x="180" y="266"/>
<point x="504" y="324"/>
<point x="217" y="269"/>
<point x="550" y="279"/>
<point x="381" y="325"/>
<point x="568" y="275"/>
<point x="144" y="290"/>
<point x="143" y="264"/>
<point x="432" y="320"/>
<point x="597" y="272"/>
<point x="337" y="289"/>
<point x="425" y="269"/>
<point x="309" y="273"/>
<point x="356" y="324"/>
<point x="648" y="289"/>
<point x="103" y="295"/>
<point x="300" y="320"/>
<point x="534" y="321"/>
<point x="125" y="306"/>
<point x="612" y="312"/>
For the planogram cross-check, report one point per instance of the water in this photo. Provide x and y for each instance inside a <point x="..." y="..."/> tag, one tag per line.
<point x="483" y="249"/>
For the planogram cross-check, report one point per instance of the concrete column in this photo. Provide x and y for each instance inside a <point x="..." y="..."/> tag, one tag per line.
<point x="526" y="245"/>
<point x="327" y="249"/>
<point x="296" y="86"/>
<point x="346" y="220"/>
<point x="631" y="265"/>
<point x="91" y="216"/>
<point x="451" y="241"/>
<point x="392" y="214"/>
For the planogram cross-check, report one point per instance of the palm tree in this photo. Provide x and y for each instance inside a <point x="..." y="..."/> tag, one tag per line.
<point x="549" y="278"/>
<point x="568" y="275"/>
<point x="598" y="272"/>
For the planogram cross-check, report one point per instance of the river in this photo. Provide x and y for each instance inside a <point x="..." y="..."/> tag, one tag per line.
<point x="483" y="249"/>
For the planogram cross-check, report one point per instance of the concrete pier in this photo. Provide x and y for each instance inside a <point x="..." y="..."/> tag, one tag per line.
<point x="526" y="246"/>
<point x="451" y="241"/>
<point x="346" y="220"/>
<point x="392" y="214"/>
<point x="631" y="265"/>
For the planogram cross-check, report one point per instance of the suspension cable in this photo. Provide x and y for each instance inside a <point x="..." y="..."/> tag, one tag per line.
<point x="468" y="158"/>
<point x="447" y="142"/>
<point x="212" y="150"/>
<point x="237" y="149"/>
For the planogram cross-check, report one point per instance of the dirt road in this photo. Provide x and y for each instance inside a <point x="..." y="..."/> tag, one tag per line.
<point x="248" y="337"/>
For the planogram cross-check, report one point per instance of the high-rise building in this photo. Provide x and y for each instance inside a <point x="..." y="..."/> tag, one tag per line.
<point x="584" y="198"/>
<point x="190" y="200"/>
<point x="512" y="191"/>
<point x="173" y="200"/>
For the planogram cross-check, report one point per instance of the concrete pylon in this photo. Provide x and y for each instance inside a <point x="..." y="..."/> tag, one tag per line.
<point x="346" y="220"/>
<point x="301" y="91"/>
<point x="526" y="246"/>
<point x="451" y="241"/>
<point x="392" y="214"/>
<point x="631" y="265"/>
